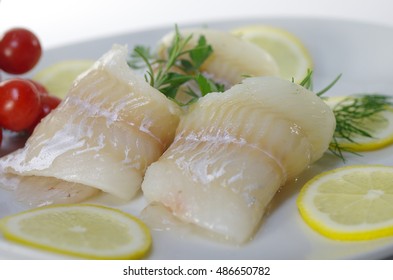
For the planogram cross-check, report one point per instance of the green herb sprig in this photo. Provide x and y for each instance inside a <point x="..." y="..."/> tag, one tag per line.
<point x="350" y="114"/>
<point x="307" y="83"/>
<point x="179" y="68"/>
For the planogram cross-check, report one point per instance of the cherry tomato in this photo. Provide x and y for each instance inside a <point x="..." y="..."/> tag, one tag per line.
<point x="20" y="104"/>
<point x="20" y="51"/>
<point x="1" y="135"/>
<point x="48" y="103"/>
<point x="41" y="89"/>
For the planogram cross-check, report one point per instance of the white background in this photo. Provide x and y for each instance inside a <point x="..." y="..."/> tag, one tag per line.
<point x="68" y="21"/>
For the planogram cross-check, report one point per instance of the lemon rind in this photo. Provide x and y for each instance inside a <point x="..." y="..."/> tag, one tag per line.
<point x="136" y="254"/>
<point x="249" y="31"/>
<point x="365" y="144"/>
<point x="337" y="234"/>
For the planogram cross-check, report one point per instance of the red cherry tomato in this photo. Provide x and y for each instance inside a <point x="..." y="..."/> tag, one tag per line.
<point x="41" y="89"/>
<point x="20" y="51"/>
<point x="20" y="104"/>
<point x="48" y="103"/>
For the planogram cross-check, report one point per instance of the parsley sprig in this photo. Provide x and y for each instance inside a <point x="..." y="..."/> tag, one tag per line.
<point x="180" y="68"/>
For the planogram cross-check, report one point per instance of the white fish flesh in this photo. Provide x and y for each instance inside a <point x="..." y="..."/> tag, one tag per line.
<point x="234" y="150"/>
<point x="232" y="58"/>
<point x="103" y="136"/>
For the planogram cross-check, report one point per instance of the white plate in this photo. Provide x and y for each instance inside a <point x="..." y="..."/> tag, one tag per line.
<point x="362" y="52"/>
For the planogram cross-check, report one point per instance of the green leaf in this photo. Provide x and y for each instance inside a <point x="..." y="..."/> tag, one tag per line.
<point x="205" y="85"/>
<point x="176" y="79"/>
<point x="173" y="81"/>
<point x="181" y="66"/>
<point x="186" y="65"/>
<point x="200" y="53"/>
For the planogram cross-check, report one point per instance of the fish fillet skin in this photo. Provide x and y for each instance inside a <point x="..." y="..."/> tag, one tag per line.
<point x="234" y="150"/>
<point x="232" y="58"/>
<point x="109" y="128"/>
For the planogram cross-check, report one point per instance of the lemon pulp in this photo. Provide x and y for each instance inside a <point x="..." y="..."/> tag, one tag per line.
<point x="350" y="203"/>
<point x="81" y="230"/>
<point x="380" y="126"/>
<point x="290" y="53"/>
<point x="58" y="78"/>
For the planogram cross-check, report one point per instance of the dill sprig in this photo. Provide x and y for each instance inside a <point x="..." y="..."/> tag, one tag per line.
<point x="308" y="83"/>
<point x="179" y="68"/>
<point x="351" y="113"/>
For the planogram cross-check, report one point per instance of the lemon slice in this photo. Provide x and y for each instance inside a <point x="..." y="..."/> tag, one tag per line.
<point x="350" y="203"/>
<point x="58" y="78"/>
<point x="291" y="55"/>
<point x="81" y="230"/>
<point x="380" y="126"/>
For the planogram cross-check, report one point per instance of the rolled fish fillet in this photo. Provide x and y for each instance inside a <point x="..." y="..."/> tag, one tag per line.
<point x="232" y="58"/>
<point x="103" y="136"/>
<point x="234" y="150"/>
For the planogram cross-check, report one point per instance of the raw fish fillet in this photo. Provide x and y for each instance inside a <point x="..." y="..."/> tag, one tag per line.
<point x="232" y="58"/>
<point x="231" y="61"/>
<point x="234" y="150"/>
<point x="103" y="136"/>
